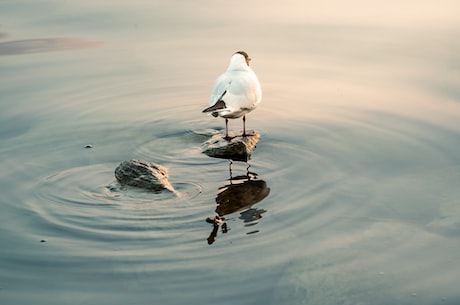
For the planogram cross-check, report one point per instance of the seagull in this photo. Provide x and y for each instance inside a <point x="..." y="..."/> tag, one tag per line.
<point x="236" y="92"/>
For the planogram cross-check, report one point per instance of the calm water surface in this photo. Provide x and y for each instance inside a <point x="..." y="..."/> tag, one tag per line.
<point x="359" y="154"/>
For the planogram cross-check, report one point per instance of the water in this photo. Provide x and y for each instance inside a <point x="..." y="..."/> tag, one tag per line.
<point x="358" y="162"/>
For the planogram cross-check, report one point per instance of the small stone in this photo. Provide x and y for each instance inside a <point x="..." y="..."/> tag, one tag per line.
<point x="89" y="146"/>
<point x="143" y="174"/>
<point x="238" y="148"/>
<point x="43" y="241"/>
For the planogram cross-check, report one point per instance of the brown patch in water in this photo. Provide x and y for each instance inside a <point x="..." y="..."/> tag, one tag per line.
<point x="40" y="45"/>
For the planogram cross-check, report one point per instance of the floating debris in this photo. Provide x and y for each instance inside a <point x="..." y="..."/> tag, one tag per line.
<point x="217" y="220"/>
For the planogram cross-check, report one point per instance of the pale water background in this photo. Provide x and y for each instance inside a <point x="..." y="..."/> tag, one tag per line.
<point x="360" y="147"/>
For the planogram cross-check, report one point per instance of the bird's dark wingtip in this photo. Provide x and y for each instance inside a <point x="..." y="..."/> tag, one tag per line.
<point x="217" y="106"/>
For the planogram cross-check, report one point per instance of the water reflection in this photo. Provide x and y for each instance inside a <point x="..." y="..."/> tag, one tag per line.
<point x="240" y="193"/>
<point x="40" y="45"/>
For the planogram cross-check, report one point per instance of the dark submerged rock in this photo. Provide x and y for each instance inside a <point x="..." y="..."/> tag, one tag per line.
<point x="143" y="174"/>
<point x="238" y="148"/>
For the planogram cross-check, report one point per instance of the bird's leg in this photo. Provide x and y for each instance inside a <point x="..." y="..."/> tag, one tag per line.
<point x="226" y="130"/>
<point x="244" y="128"/>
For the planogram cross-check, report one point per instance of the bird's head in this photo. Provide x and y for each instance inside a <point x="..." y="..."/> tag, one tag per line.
<point x="244" y="55"/>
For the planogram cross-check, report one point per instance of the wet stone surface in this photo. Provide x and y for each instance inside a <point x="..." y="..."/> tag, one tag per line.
<point x="143" y="174"/>
<point x="237" y="148"/>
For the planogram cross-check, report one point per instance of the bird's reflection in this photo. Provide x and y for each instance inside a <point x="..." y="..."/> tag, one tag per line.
<point x="239" y="194"/>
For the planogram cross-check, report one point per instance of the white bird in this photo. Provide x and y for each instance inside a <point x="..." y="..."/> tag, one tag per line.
<point x="236" y="92"/>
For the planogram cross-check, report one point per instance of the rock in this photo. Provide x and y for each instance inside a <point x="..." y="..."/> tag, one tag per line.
<point x="143" y="174"/>
<point x="238" y="148"/>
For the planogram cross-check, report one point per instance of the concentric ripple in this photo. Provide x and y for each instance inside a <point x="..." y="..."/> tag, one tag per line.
<point x="88" y="201"/>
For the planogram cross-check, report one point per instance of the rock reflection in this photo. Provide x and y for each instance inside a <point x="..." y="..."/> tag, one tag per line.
<point x="235" y="197"/>
<point x="241" y="193"/>
<point x="251" y="215"/>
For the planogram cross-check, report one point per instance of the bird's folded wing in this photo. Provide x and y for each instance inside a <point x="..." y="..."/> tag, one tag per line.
<point x="220" y="88"/>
